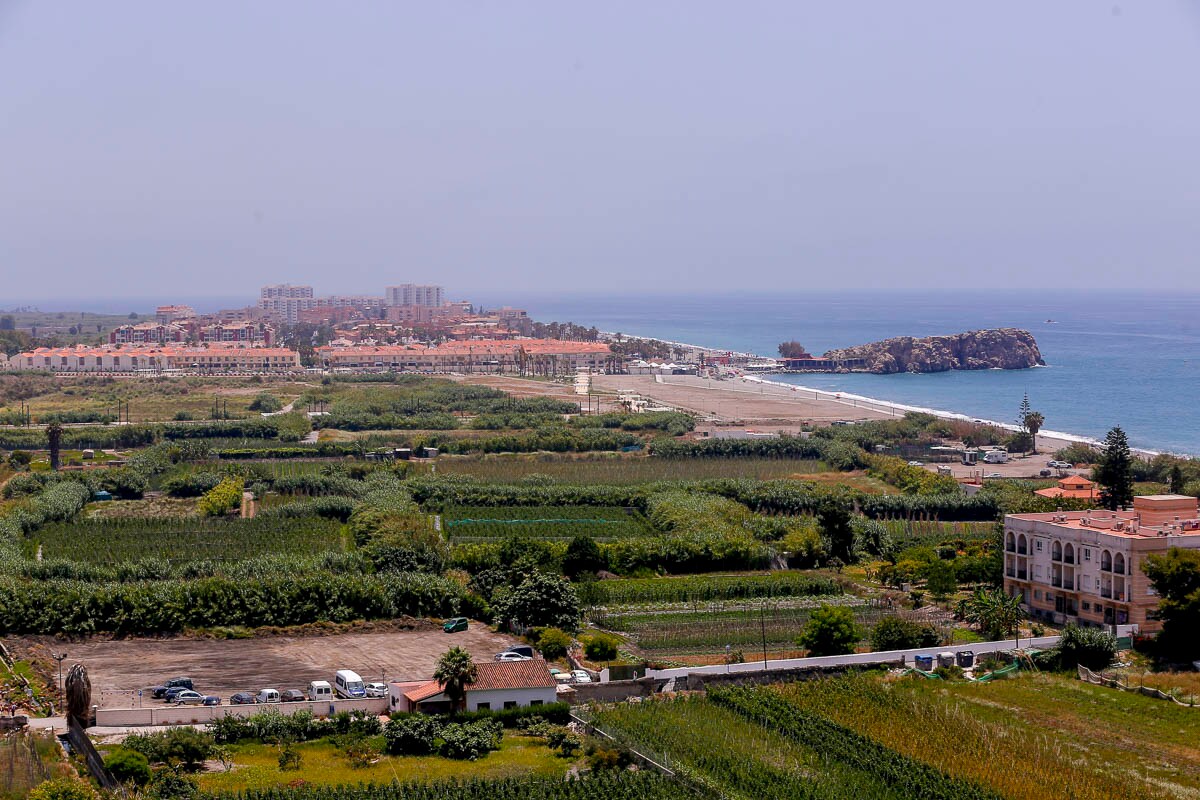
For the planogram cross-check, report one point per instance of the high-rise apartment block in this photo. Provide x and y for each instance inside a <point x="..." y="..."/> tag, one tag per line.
<point x="285" y="302"/>
<point x="412" y="294"/>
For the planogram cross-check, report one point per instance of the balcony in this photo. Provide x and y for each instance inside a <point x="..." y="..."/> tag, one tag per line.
<point x="1106" y="593"/>
<point x="1068" y="559"/>
<point x="1022" y="551"/>
<point x="1010" y="572"/>
<point x="1022" y="575"/>
<point x="1056" y="582"/>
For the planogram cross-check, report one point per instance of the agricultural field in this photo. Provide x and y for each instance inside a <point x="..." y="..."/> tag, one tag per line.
<point x="709" y="628"/>
<point x="107" y="541"/>
<point x="603" y="523"/>
<point x="869" y="736"/>
<point x="920" y="532"/>
<point x="622" y="469"/>
<point x="708" y="588"/>
<point x="256" y="766"/>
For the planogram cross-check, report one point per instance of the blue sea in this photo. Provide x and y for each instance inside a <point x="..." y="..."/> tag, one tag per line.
<point x="1113" y="358"/>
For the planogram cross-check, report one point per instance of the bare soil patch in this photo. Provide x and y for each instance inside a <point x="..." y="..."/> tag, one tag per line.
<point x="120" y="667"/>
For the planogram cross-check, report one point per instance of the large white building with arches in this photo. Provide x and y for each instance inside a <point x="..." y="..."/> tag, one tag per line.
<point x="1086" y="566"/>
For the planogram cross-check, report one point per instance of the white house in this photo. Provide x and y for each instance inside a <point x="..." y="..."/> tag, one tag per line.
<point x="498" y="685"/>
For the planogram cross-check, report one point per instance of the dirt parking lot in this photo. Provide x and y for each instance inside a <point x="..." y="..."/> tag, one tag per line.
<point x="119" y="668"/>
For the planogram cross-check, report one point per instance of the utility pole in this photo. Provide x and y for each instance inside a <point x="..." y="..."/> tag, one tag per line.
<point x="59" y="657"/>
<point x="762" y="618"/>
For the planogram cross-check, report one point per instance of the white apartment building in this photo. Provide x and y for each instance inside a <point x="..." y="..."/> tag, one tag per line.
<point x="285" y="302"/>
<point x="413" y="294"/>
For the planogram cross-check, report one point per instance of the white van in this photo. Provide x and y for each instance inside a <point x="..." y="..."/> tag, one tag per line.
<point x="267" y="696"/>
<point x="996" y="457"/>
<point x="319" y="690"/>
<point x="346" y="683"/>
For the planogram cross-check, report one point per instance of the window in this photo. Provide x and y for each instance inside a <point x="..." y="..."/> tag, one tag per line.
<point x="483" y="707"/>
<point x="1037" y="571"/>
<point x="1049" y="597"/>
<point x="1037" y="594"/>
<point x="510" y="704"/>
<point x="1039" y="545"/>
<point x="1087" y="554"/>
<point x="1087" y="606"/>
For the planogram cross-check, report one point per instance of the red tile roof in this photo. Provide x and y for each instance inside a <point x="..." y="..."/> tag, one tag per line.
<point x="490" y="675"/>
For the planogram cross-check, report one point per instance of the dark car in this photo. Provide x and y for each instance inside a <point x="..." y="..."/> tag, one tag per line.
<point x="241" y="699"/>
<point x="212" y="700"/>
<point x="291" y="696"/>
<point x="174" y="683"/>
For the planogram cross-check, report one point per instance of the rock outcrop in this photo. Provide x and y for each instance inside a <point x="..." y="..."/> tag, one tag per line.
<point x="1001" y="348"/>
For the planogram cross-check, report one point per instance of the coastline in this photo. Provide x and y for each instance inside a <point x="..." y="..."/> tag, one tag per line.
<point x="885" y="408"/>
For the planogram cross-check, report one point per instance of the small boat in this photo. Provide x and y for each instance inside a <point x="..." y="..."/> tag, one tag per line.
<point x="1051" y="322"/>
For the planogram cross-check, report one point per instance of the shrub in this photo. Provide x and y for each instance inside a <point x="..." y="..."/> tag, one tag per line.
<point x="601" y="647"/>
<point x="831" y="631"/>
<point x="222" y="498"/>
<point x="266" y="402"/>
<point x="128" y="766"/>
<point x="1093" y="648"/>
<point x="470" y="740"/>
<point x="63" y="789"/>
<point x="553" y="643"/>
<point x="896" y="633"/>
<point x="412" y="735"/>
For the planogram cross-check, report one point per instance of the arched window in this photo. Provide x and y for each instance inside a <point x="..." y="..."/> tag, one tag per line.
<point x="1106" y="561"/>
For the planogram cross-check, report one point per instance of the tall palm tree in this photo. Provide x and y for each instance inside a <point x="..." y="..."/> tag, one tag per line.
<point x="455" y="671"/>
<point x="1033" y="423"/>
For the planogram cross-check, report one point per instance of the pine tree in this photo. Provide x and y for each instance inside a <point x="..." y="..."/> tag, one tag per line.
<point x="1176" y="480"/>
<point x="1114" y="473"/>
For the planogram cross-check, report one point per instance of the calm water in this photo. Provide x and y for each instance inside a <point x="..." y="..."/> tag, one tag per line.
<point x="1113" y="358"/>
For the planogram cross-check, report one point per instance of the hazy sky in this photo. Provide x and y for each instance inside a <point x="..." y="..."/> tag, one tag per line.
<point x="150" y="148"/>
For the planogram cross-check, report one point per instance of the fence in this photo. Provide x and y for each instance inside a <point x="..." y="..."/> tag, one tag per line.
<point x="1098" y="679"/>
<point x="195" y="715"/>
<point x="21" y="767"/>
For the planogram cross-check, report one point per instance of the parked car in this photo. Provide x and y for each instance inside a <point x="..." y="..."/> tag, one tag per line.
<point x="507" y="656"/>
<point x="212" y="700"/>
<point x="175" y="683"/>
<point x="1060" y="464"/>
<point x="563" y="677"/>
<point x="993" y="475"/>
<point x="291" y="696"/>
<point x="320" y="690"/>
<point x="376" y="690"/>
<point x="916" y="463"/>
<point x="454" y="625"/>
<point x="1045" y="473"/>
<point x="580" y="676"/>
<point x="189" y="698"/>
<point x="173" y="692"/>
<point x="267" y="696"/>
<point x="521" y="650"/>
<point x="241" y="699"/>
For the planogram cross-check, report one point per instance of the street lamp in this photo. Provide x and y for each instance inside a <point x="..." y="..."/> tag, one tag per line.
<point x="59" y="657"/>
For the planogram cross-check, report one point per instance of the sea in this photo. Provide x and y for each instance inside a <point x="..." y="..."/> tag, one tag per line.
<point x="1128" y="359"/>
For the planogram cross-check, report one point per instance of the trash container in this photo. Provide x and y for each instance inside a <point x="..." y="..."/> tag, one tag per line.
<point x="946" y="659"/>
<point x="924" y="662"/>
<point x="966" y="658"/>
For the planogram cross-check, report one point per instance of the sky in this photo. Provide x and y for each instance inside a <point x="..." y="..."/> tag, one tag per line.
<point x="152" y="149"/>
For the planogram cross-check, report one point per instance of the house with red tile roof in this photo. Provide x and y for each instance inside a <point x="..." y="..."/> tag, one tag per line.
<point x="498" y="685"/>
<point x="1073" y="486"/>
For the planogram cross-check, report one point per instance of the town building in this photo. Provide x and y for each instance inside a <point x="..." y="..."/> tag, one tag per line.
<point x="173" y="313"/>
<point x="409" y="314"/>
<point x="498" y="685"/>
<point x="147" y="333"/>
<point x="213" y="358"/>
<point x="1075" y="487"/>
<point x="413" y="294"/>
<point x="284" y="302"/>
<point x="1086" y="566"/>
<point x="513" y="356"/>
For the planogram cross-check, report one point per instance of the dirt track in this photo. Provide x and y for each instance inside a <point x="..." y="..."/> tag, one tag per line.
<point x="118" y="668"/>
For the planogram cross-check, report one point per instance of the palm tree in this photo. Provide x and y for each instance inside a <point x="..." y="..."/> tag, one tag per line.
<point x="1033" y="423"/>
<point x="54" y="432"/>
<point x="455" y="671"/>
<point x="996" y="614"/>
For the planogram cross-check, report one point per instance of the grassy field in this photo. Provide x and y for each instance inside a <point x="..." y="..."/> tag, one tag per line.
<point x="708" y="588"/>
<point x="103" y="541"/>
<point x="256" y="766"/>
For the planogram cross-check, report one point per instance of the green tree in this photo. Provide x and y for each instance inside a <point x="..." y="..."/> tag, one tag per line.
<point x="792" y="349"/>
<point x="1093" y="648"/>
<point x="897" y="633"/>
<point x="54" y="434"/>
<point x="1175" y="480"/>
<point x="1033" y="423"/>
<point x="1175" y="576"/>
<point x="169" y="784"/>
<point x="540" y="600"/>
<point x="601" y="647"/>
<point x="222" y="498"/>
<point x="836" y="530"/>
<point x="831" y="631"/>
<point x="940" y="579"/>
<point x="455" y="671"/>
<point x="583" y="557"/>
<point x="266" y="402"/>
<point x="19" y="459"/>
<point x="412" y="735"/>
<point x="1114" y="472"/>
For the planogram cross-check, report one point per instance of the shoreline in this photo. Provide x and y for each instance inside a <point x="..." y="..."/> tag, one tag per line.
<point x="888" y="407"/>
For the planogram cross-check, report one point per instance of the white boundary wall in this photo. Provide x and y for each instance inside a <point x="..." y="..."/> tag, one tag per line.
<point x="159" y="714"/>
<point x="865" y="659"/>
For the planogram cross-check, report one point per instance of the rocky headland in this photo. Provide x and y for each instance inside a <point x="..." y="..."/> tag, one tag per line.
<point x="999" y="348"/>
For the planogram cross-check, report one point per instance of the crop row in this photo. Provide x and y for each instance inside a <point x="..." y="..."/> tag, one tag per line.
<point x="708" y="588"/>
<point x="126" y="539"/>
